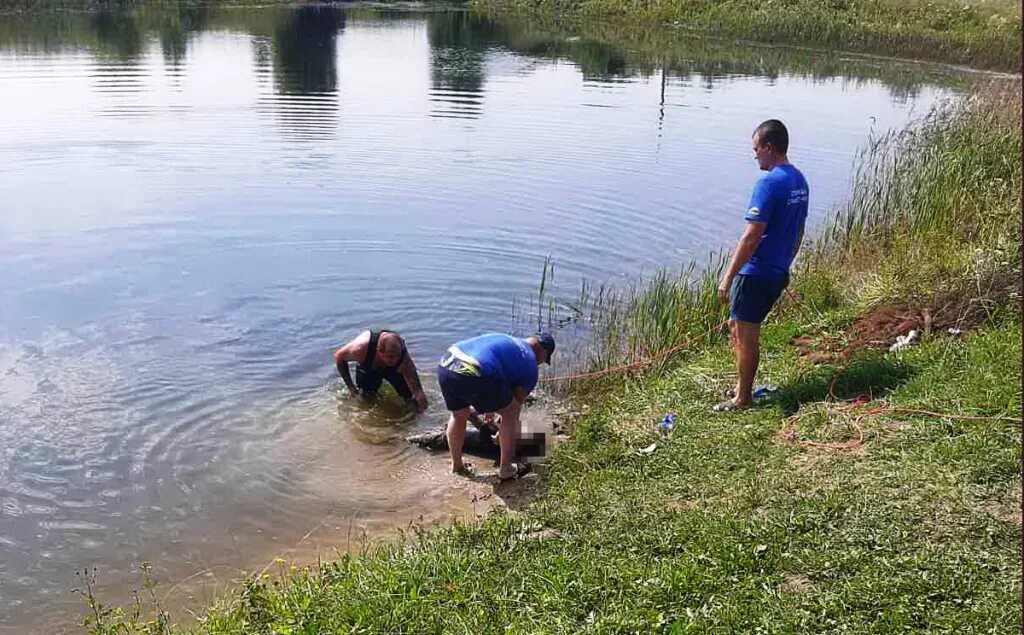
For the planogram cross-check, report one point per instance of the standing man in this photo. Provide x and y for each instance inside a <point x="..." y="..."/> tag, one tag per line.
<point x="380" y="355"/>
<point x="759" y="270"/>
<point x="491" y="373"/>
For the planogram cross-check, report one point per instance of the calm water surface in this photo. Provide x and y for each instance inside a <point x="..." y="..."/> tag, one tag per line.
<point x="200" y="204"/>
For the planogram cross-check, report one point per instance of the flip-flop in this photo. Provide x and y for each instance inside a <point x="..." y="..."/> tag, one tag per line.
<point x="467" y="469"/>
<point x="728" y="406"/>
<point x="521" y="470"/>
<point x="759" y="394"/>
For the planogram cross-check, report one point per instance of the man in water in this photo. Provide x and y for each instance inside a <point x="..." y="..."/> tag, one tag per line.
<point x="491" y="373"/>
<point x="759" y="270"/>
<point x="379" y="356"/>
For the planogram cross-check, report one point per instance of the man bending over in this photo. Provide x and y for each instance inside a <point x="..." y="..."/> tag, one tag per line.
<point x="379" y="356"/>
<point x="491" y="373"/>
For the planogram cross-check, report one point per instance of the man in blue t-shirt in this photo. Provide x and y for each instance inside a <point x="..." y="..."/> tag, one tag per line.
<point x="491" y="373"/>
<point x="759" y="270"/>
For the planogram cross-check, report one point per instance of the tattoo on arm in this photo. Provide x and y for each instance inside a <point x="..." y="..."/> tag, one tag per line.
<point x="411" y="376"/>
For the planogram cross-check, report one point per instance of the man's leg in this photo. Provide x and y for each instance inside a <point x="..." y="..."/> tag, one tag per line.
<point x="457" y="436"/>
<point x="508" y="432"/>
<point x="746" y="342"/>
<point x="735" y="348"/>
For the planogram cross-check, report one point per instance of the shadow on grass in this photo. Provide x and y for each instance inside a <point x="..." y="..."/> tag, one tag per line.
<point x="871" y="375"/>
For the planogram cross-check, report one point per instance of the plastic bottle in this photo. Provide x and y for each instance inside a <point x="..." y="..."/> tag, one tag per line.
<point x="667" y="424"/>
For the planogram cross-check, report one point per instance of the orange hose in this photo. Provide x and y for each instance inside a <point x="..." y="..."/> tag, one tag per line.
<point x="637" y="364"/>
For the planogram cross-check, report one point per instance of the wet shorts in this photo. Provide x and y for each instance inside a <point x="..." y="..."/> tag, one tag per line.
<point x="752" y="297"/>
<point x="485" y="394"/>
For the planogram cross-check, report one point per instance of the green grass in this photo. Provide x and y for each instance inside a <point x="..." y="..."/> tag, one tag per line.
<point x="731" y="525"/>
<point x="980" y="34"/>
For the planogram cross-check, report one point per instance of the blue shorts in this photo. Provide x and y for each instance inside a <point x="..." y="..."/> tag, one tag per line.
<point x="485" y="394"/>
<point x="752" y="297"/>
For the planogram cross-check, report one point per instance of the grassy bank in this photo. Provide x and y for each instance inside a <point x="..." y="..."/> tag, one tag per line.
<point x="810" y="513"/>
<point x="984" y="34"/>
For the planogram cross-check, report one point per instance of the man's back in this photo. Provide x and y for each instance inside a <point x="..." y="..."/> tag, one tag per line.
<point x="502" y="356"/>
<point x="779" y="200"/>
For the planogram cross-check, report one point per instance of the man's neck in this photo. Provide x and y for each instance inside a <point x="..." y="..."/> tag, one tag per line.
<point x="780" y="160"/>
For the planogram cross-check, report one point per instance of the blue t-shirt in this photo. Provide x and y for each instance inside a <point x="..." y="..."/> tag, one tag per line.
<point x="502" y="357"/>
<point x="780" y="201"/>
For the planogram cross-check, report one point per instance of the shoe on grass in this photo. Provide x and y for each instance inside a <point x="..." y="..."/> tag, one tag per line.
<point x="728" y="406"/>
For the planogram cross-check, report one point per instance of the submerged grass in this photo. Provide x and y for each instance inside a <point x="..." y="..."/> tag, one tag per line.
<point x="979" y="34"/>
<point x="736" y="523"/>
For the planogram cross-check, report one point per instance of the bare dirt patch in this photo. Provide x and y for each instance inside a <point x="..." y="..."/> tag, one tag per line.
<point x="795" y="583"/>
<point x="1007" y="507"/>
<point x="683" y="505"/>
<point x="879" y="327"/>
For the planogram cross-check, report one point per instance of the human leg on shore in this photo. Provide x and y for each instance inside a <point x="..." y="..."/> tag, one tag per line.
<point x="508" y="432"/>
<point x="745" y="340"/>
<point x="751" y="298"/>
<point x="748" y="336"/>
<point x="454" y="392"/>
<point x="457" y="437"/>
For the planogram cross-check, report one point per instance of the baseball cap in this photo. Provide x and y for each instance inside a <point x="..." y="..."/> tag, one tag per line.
<point x="548" y="343"/>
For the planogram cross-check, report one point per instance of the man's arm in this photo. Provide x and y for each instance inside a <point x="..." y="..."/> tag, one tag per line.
<point x="342" y="357"/>
<point x="744" y="250"/>
<point x="408" y="370"/>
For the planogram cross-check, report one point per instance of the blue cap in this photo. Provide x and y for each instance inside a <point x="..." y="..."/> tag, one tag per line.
<point x="548" y="343"/>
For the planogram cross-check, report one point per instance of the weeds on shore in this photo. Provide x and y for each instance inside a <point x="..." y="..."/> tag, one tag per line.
<point x="979" y="34"/>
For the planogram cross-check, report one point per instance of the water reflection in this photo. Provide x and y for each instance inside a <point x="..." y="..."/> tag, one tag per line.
<point x="175" y="29"/>
<point x="304" y="58"/>
<point x="459" y="42"/>
<point x="117" y="34"/>
<point x="305" y="50"/>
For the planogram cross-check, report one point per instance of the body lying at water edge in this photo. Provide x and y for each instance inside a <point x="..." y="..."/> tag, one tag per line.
<point x="759" y="270"/>
<point x="482" y="439"/>
<point x="492" y="373"/>
<point x="380" y="356"/>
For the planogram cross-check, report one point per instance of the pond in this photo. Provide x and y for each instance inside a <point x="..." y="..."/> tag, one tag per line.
<point x="201" y="202"/>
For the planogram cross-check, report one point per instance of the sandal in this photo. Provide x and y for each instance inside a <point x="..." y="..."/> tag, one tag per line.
<point x="519" y="469"/>
<point x="468" y="469"/>
<point x="728" y="406"/>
